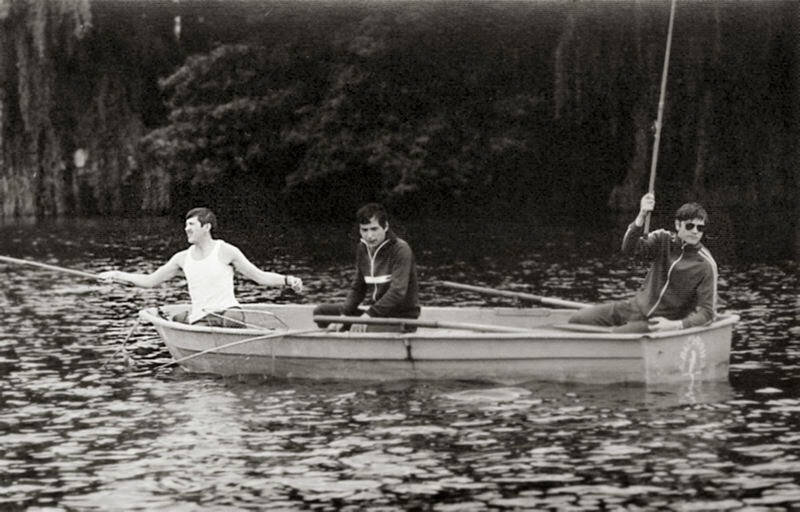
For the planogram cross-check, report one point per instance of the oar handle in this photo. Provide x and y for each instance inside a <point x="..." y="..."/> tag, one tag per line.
<point x="415" y="323"/>
<point x="50" y="267"/>
<point x="559" y="303"/>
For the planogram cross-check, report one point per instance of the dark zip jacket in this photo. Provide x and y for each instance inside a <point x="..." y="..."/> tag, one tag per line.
<point x="387" y="279"/>
<point x="682" y="281"/>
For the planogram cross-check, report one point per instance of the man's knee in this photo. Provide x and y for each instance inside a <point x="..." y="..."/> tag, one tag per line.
<point x="599" y="314"/>
<point x="608" y="314"/>
<point x="233" y="317"/>
<point x="585" y="316"/>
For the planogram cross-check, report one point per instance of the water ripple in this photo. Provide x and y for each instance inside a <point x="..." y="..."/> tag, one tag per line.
<point x="81" y="429"/>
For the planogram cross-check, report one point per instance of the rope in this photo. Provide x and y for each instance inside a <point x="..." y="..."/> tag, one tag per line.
<point x="128" y="359"/>
<point x="235" y="343"/>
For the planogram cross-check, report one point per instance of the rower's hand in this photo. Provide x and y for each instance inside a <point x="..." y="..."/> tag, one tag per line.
<point x="295" y="283"/>
<point x="660" y="323"/>
<point x="647" y="204"/>
<point x="360" y="327"/>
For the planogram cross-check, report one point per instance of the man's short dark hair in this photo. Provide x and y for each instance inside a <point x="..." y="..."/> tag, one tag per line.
<point x="691" y="211"/>
<point x="365" y="214"/>
<point x="204" y="215"/>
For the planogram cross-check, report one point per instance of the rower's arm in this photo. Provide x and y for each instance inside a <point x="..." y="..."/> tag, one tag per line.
<point x="164" y="273"/>
<point x="249" y="270"/>
<point x="232" y="254"/>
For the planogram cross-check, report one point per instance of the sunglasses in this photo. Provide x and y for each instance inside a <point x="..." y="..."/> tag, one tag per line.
<point x="691" y="225"/>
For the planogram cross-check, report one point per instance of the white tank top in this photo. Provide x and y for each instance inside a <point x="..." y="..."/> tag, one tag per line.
<point x="210" y="283"/>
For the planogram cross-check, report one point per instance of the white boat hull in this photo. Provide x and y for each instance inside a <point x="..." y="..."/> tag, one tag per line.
<point x="543" y="352"/>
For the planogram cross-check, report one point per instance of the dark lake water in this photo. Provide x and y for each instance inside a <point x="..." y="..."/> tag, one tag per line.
<point x="82" y="430"/>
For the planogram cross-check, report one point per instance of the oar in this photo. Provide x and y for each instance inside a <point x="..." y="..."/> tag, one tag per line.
<point x="558" y="303"/>
<point x="238" y="342"/>
<point x="416" y="323"/>
<point x="51" y="267"/>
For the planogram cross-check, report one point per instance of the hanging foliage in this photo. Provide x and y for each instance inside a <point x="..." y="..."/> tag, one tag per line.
<point x="36" y="36"/>
<point x="522" y="108"/>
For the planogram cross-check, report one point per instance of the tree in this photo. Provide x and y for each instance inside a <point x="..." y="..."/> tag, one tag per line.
<point x="228" y="109"/>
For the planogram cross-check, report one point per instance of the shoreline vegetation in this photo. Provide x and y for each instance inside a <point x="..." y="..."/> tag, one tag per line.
<point x="306" y="110"/>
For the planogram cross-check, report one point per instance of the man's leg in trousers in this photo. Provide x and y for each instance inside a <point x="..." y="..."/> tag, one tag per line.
<point x="601" y="314"/>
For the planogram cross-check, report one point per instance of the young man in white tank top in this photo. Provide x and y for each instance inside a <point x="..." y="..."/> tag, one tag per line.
<point x="208" y="265"/>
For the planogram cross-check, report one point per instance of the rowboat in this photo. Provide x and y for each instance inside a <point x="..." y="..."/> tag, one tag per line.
<point x="503" y="345"/>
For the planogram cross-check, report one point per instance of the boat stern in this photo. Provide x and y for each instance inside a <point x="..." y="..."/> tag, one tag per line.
<point x="698" y="354"/>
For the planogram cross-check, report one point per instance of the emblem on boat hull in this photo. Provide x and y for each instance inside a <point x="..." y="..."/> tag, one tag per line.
<point x="692" y="357"/>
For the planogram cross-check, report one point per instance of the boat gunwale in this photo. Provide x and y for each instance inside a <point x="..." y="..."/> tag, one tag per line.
<point x="150" y="315"/>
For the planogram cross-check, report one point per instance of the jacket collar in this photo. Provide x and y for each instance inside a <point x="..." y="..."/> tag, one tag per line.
<point x="684" y="246"/>
<point x="391" y="238"/>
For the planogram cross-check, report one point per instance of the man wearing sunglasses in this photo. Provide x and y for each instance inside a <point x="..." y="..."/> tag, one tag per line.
<point x="680" y="289"/>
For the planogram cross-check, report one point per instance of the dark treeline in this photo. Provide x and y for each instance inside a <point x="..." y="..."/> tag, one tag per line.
<point x="526" y="110"/>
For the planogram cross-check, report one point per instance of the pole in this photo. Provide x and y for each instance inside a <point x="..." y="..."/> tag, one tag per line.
<point x="50" y="267"/>
<point x="657" y="140"/>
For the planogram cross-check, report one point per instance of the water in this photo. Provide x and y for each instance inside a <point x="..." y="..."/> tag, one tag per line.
<point x="82" y="430"/>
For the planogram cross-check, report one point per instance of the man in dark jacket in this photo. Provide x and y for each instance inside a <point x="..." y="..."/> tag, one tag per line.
<point x="680" y="290"/>
<point x="386" y="275"/>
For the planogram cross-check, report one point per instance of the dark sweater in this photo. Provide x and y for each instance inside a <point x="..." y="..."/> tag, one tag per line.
<point x="682" y="281"/>
<point x="387" y="279"/>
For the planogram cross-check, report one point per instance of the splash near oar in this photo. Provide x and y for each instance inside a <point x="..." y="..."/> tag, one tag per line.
<point x="56" y="268"/>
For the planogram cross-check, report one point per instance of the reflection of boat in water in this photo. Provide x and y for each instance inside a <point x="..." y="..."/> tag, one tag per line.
<point x="532" y="344"/>
<point x="654" y="396"/>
